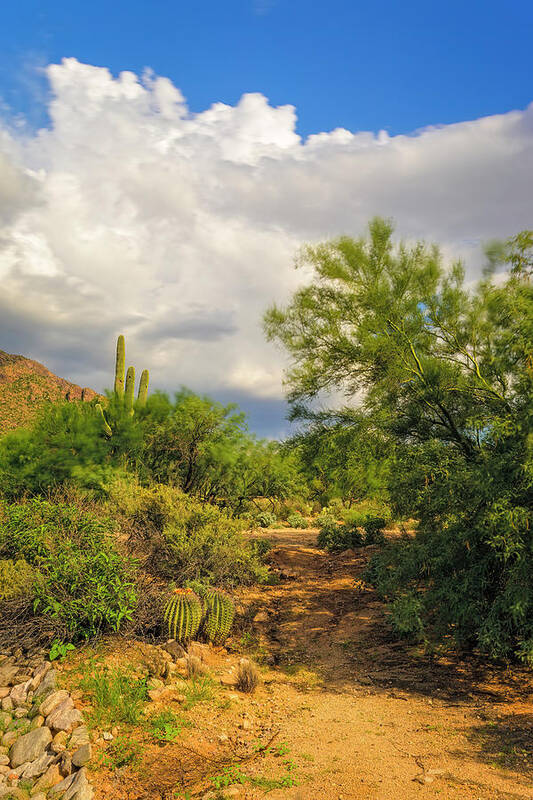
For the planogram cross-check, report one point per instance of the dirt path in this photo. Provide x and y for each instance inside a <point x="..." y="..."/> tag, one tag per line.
<point x="343" y="711"/>
<point x="369" y="717"/>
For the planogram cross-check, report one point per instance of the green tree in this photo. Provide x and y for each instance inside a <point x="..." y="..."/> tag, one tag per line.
<point x="205" y="448"/>
<point x="446" y="371"/>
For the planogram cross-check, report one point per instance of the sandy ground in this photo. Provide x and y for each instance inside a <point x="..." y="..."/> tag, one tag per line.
<point x="349" y="712"/>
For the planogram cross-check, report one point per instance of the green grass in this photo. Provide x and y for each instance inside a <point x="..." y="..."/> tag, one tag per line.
<point x="167" y="726"/>
<point x="122" y="752"/>
<point x="197" y="690"/>
<point x="234" y="774"/>
<point x="116" y="695"/>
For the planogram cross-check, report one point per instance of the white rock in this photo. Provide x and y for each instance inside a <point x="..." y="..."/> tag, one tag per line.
<point x="48" y="705"/>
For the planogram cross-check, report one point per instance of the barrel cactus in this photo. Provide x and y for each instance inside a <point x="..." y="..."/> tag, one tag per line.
<point x="219" y="611"/>
<point x="183" y="615"/>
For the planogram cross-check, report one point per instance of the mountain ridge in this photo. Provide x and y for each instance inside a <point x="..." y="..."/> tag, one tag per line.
<point x="26" y="385"/>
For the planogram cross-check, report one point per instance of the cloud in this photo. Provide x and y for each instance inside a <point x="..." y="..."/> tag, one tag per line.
<point x="131" y="214"/>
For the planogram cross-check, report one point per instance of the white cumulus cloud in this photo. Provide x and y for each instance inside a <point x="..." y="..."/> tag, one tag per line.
<point x="131" y="214"/>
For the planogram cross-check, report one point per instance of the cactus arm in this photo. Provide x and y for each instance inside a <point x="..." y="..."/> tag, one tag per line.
<point x="143" y="388"/>
<point x="130" y="389"/>
<point x="107" y="429"/>
<point x="120" y="366"/>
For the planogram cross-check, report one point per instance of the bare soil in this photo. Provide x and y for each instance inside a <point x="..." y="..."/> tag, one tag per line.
<point x="344" y="710"/>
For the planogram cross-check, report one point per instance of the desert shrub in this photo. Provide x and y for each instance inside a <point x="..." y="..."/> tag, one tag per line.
<point x="188" y="540"/>
<point x="261" y="547"/>
<point x="86" y="585"/>
<point x="297" y="521"/>
<point x="17" y="578"/>
<point x="264" y="519"/>
<point x="374" y="527"/>
<point x="247" y="676"/>
<point x="336" y="537"/>
<point x="210" y="547"/>
<point x="405" y="616"/>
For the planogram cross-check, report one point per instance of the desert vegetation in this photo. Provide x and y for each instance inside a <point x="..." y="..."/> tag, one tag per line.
<point x="139" y="522"/>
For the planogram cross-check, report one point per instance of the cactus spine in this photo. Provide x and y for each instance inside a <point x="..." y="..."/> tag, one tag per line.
<point x="143" y="388"/>
<point x="219" y="612"/>
<point x="120" y="366"/>
<point x="183" y="615"/>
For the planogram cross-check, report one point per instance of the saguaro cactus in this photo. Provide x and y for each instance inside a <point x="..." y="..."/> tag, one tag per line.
<point x="125" y="385"/>
<point x="120" y="366"/>
<point x="143" y="388"/>
<point x="130" y="389"/>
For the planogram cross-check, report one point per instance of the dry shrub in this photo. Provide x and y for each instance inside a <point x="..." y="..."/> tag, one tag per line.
<point x="247" y="676"/>
<point x="195" y="667"/>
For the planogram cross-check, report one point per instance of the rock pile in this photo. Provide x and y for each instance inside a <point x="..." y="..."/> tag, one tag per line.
<point x="44" y="745"/>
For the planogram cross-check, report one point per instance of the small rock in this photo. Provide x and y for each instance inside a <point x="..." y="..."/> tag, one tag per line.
<point x="37" y="722"/>
<point x="20" y="712"/>
<point x="19" y="693"/>
<point x="245" y="725"/>
<point x="30" y="746"/>
<point x="79" y="737"/>
<point x="59" y="742"/>
<point x="8" y="671"/>
<point x="65" y="764"/>
<point x="38" y="767"/>
<point x="107" y="736"/>
<point x="7" y="704"/>
<point x="9" y="738"/>
<point x="4" y="760"/>
<point x="64" y="717"/>
<point x="39" y="674"/>
<point x="223" y="737"/>
<point x="261" y="616"/>
<point x="228" y="680"/>
<point x="48" y="705"/>
<point x="72" y="787"/>
<point x="198" y="650"/>
<point x="51" y="777"/>
<point x="175" y="649"/>
<point x="82" y="756"/>
<point x="47" y="685"/>
<point x="40" y="796"/>
<point x="5" y="719"/>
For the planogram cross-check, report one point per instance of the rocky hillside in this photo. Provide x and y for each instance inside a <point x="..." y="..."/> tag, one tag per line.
<point x="25" y="385"/>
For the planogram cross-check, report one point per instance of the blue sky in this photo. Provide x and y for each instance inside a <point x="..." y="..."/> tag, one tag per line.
<point x="362" y="66"/>
<point x="128" y="214"/>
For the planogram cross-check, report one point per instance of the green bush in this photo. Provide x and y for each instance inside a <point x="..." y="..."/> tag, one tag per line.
<point x="86" y="585"/>
<point x="374" y="527"/>
<point x="189" y="540"/>
<point x="17" y="578"/>
<point x="297" y="521"/>
<point x="336" y="537"/>
<point x="261" y="547"/>
<point x="405" y="616"/>
<point x="264" y="519"/>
